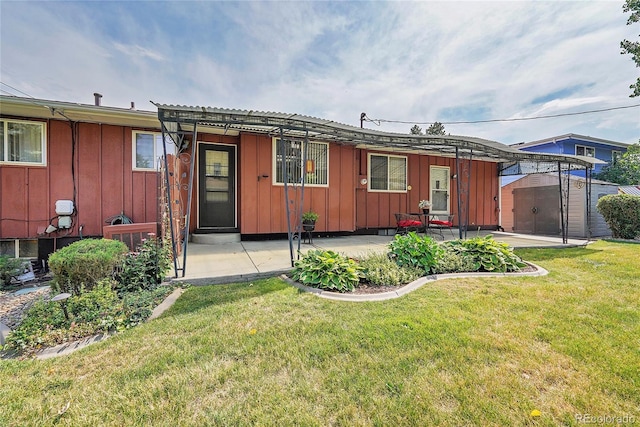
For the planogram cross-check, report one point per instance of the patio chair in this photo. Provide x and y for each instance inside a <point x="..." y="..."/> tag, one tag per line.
<point x="408" y="222"/>
<point x="435" y="223"/>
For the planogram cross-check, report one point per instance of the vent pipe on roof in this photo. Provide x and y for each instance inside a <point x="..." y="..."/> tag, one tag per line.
<point x="97" y="96"/>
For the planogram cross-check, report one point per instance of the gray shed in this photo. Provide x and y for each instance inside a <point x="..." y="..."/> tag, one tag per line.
<point x="531" y="205"/>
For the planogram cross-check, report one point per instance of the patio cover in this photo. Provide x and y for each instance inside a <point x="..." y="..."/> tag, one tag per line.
<point x="296" y="126"/>
<point x="178" y="121"/>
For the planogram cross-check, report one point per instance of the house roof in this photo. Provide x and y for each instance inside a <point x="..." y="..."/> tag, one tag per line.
<point x="571" y="136"/>
<point x="48" y="109"/>
<point x="633" y="190"/>
<point x="301" y="126"/>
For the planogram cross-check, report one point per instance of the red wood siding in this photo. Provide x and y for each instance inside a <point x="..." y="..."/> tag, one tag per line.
<point x="262" y="202"/>
<point x="105" y="182"/>
<point x="107" y="185"/>
<point x="377" y="209"/>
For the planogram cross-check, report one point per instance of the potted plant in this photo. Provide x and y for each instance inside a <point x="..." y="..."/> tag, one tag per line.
<point x="425" y="205"/>
<point x="309" y="220"/>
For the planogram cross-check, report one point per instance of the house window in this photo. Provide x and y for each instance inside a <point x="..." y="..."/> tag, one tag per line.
<point x="581" y="150"/>
<point x="387" y="173"/>
<point x="147" y="149"/>
<point x="314" y="169"/>
<point x="22" y="142"/>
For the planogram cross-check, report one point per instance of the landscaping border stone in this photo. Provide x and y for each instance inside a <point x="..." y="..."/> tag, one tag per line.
<point x="416" y="284"/>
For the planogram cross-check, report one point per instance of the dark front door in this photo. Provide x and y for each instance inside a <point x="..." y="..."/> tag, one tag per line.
<point x="217" y="177"/>
<point x="537" y="210"/>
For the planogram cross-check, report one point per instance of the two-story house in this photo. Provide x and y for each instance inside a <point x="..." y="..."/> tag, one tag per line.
<point x="531" y="203"/>
<point x="578" y="145"/>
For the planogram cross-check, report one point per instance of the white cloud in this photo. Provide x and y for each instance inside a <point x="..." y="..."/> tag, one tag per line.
<point x="136" y="52"/>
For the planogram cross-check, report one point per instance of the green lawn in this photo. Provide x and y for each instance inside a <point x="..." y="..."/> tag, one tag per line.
<point x="476" y="352"/>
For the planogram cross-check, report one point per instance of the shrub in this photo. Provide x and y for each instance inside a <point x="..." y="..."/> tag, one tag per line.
<point x="327" y="270"/>
<point x="380" y="270"/>
<point x="9" y="267"/>
<point x="82" y="264"/>
<point x="92" y="306"/>
<point x="138" y="306"/>
<point x="486" y="254"/>
<point x="411" y="250"/>
<point x="451" y="261"/>
<point x="144" y="269"/>
<point x="622" y="214"/>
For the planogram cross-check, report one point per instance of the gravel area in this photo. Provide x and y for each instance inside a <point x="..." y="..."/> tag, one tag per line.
<point x="13" y="307"/>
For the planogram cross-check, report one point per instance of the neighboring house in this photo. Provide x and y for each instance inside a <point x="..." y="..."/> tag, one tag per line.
<point x="516" y="207"/>
<point x="531" y="205"/>
<point x="66" y="169"/>
<point x="578" y="145"/>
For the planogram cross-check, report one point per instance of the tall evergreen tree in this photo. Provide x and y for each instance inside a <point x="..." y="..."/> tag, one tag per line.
<point x="416" y="130"/>
<point x="436" y="128"/>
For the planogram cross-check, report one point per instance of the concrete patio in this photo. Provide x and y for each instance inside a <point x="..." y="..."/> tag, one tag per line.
<point x="245" y="261"/>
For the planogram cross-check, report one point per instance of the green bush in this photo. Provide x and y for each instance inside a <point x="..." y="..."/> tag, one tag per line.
<point x="79" y="266"/>
<point x="138" y="306"/>
<point x="485" y="254"/>
<point x="451" y="261"/>
<point x="327" y="270"/>
<point x="411" y="250"/>
<point x="622" y="214"/>
<point x="380" y="270"/>
<point x="144" y="269"/>
<point x="9" y="267"/>
<point x="93" y="306"/>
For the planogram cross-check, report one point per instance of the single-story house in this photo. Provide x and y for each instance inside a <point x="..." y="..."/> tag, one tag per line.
<point x="67" y="170"/>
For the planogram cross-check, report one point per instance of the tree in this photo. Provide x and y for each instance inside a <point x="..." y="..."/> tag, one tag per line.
<point x="416" y="130"/>
<point x="437" y="128"/>
<point x="626" y="170"/>
<point x="629" y="47"/>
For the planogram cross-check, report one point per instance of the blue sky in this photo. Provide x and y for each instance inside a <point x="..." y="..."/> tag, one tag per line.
<point x="407" y="61"/>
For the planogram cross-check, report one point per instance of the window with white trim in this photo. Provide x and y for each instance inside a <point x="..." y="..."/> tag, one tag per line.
<point x="314" y="167"/>
<point x="147" y="149"/>
<point x="581" y="150"/>
<point x="387" y="173"/>
<point x="22" y="142"/>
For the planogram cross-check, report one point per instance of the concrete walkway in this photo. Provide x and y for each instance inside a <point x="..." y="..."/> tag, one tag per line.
<point x="245" y="261"/>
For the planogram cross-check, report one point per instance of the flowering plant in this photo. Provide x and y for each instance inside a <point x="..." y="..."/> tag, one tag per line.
<point x="424" y="204"/>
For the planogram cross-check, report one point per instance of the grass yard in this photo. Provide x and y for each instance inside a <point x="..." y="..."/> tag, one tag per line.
<point x="474" y="352"/>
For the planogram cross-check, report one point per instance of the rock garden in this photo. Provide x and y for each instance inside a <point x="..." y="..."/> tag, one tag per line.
<point x="95" y="286"/>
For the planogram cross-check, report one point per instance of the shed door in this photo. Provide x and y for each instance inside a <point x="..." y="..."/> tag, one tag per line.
<point x="217" y="192"/>
<point x="536" y="210"/>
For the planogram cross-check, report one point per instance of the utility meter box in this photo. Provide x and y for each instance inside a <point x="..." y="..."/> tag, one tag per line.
<point x="64" y="207"/>
<point x="64" y="222"/>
